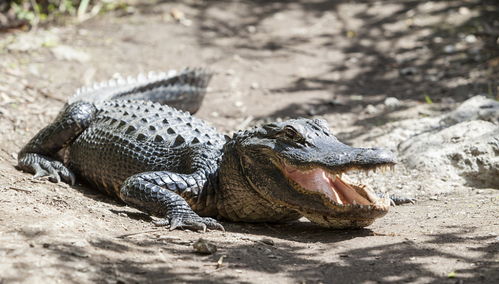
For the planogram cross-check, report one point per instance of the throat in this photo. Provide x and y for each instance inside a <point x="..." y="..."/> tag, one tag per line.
<point x="205" y="202"/>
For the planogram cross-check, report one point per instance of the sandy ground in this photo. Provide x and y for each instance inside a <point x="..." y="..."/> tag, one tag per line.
<point x="330" y="59"/>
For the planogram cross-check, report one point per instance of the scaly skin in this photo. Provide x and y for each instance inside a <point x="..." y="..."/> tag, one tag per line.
<point x="170" y="164"/>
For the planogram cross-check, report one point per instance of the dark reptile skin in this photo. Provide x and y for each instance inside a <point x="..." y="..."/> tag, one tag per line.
<point x="130" y="137"/>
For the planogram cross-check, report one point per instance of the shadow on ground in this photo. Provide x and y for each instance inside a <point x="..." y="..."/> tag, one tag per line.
<point x="404" y="49"/>
<point x="402" y="261"/>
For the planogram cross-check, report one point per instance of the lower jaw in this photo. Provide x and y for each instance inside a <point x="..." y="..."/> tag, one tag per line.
<point x="346" y="218"/>
<point x="339" y="223"/>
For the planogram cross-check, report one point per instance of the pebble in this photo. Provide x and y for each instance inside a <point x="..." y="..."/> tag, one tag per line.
<point x="370" y="109"/>
<point x="268" y="241"/>
<point x="392" y="102"/>
<point x="449" y="48"/>
<point x="470" y="38"/>
<point x="408" y="71"/>
<point x="267" y="251"/>
<point x="202" y="246"/>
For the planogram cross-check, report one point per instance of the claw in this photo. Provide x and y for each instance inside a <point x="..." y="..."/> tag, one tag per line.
<point x="54" y="175"/>
<point x="218" y="226"/>
<point x="193" y="222"/>
<point x="398" y="200"/>
<point x="39" y="172"/>
<point x="67" y="177"/>
<point x="161" y="222"/>
<point x="175" y="223"/>
<point x="42" y="166"/>
<point x="203" y="226"/>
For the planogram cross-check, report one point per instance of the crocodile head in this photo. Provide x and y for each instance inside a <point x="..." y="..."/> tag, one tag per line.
<point x="298" y="164"/>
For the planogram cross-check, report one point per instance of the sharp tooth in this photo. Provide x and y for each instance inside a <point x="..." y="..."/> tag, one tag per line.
<point x="354" y="202"/>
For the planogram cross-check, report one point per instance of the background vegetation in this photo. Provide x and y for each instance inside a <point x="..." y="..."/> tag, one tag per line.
<point x="33" y="12"/>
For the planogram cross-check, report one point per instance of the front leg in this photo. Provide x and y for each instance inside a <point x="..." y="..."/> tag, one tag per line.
<point x="159" y="194"/>
<point x="39" y="155"/>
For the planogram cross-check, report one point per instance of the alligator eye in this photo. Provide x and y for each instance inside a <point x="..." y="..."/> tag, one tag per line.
<point x="291" y="133"/>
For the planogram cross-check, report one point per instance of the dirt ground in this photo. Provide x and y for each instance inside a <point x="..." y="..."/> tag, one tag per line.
<point x="274" y="59"/>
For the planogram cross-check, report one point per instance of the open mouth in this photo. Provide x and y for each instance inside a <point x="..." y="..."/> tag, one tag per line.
<point x="331" y="185"/>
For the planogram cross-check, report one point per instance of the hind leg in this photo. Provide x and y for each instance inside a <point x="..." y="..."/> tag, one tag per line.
<point x="39" y="155"/>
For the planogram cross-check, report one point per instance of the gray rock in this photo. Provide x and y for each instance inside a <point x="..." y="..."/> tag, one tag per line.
<point x="456" y="149"/>
<point x="477" y="107"/>
<point x="466" y="152"/>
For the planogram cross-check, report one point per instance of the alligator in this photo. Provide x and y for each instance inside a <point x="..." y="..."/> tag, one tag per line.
<point x="136" y="140"/>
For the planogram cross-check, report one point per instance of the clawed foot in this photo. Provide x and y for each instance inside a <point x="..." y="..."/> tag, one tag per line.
<point x="398" y="200"/>
<point x="191" y="222"/>
<point x="41" y="166"/>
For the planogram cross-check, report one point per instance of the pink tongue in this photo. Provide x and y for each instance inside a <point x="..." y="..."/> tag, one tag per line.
<point x="349" y="193"/>
<point x="314" y="180"/>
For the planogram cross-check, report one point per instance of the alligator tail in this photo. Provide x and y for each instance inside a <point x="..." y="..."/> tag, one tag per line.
<point x="184" y="90"/>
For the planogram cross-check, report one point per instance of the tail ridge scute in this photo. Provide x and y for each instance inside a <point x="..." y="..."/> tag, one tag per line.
<point x="184" y="90"/>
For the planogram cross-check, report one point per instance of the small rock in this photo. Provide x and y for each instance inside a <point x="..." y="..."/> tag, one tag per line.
<point x="392" y="102"/>
<point x="464" y="10"/>
<point x="438" y="39"/>
<point x="449" y="48"/>
<point x="409" y="71"/>
<point x="255" y="85"/>
<point x="202" y="246"/>
<point x="267" y="251"/>
<point x="370" y="109"/>
<point x="356" y="98"/>
<point x="251" y="29"/>
<point x="470" y="39"/>
<point x="268" y="241"/>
